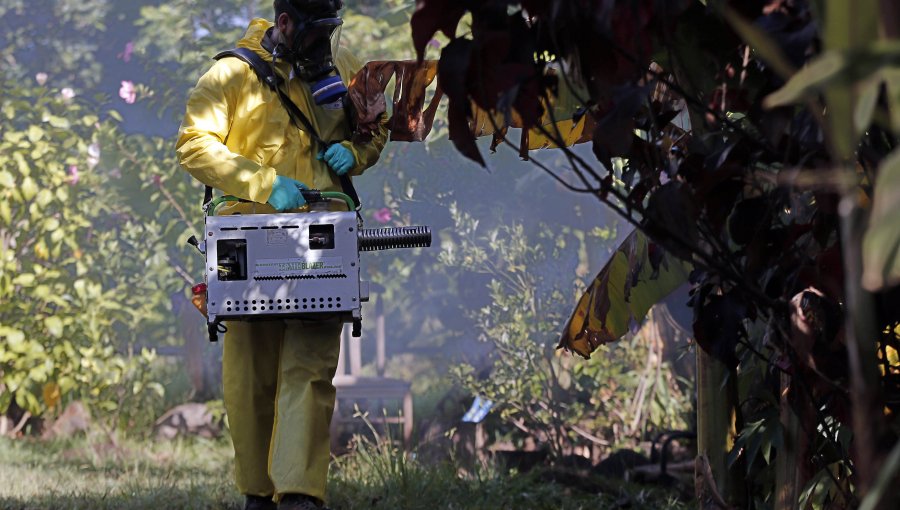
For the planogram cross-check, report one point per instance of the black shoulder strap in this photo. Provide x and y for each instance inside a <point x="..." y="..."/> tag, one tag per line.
<point x="262" y="68"/>
<point x="267" y="75"/>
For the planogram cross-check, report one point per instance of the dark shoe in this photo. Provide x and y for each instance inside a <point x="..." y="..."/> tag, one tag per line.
<point x="299" y="502"/>
<point x="259" y="503"/>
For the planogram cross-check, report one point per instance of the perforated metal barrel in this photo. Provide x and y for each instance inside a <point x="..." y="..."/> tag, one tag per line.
<point x="372" y="239"/>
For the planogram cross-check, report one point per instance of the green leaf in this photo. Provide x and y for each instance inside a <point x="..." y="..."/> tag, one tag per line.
<point x="44" y="197"/>
<point x="5" y="401"/>
<point x="5" y="212"/>
<point x="881" y="243"/>
<point x="59" y="122"/>
<point x="24" y="279"/>
<point x="849" y="80"/>
<point x="14" y="337"/>
<point x="24" y="168"/>
<point x="54" y="326"/>
<point x="29" y="188"/>
<point x="835" y="68"/>
<point x="6" y="179"/>
<point x="35" y="133"/>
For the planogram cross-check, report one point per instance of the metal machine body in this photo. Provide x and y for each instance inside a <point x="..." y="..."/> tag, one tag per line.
<point x="290" y="266"/>
<point x="302" y="266"/>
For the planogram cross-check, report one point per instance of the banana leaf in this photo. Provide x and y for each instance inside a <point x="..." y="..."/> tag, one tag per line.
<point x="639" y="275"/>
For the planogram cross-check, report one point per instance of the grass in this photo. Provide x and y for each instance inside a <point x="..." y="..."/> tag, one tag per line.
<point x="83" y="474"/>
<point x="196" y="474"/>
<point x="377" y="476"/>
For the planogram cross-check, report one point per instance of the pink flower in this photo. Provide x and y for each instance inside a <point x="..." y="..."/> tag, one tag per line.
<point x="434" y="43"/>
<point x="67" y="94"/>
<point x="73" y="175"/>
<point x="127" y="92"/>
<point x="382" y="215"/>
<point x="40" y="78"/>
<point x="126" y="53"/>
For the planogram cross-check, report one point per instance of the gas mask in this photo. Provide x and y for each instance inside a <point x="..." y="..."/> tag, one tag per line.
<point x="314" y="44"/>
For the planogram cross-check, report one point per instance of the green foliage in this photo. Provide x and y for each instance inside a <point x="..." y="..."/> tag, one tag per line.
<point x="65" y="33"/>
<point x="764" y="193"/>
<point x="539" y="393"/>
<point x="380" y="32"/>
<point x="181" y="36"/>
<point x="74" y="292"/>
<point x="93" y="218"/>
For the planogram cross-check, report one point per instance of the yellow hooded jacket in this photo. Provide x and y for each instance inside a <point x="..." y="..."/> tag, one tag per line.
<point x="236" y="135"/>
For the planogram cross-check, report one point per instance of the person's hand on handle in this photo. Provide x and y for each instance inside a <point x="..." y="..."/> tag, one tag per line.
<point x="286" y="194"/>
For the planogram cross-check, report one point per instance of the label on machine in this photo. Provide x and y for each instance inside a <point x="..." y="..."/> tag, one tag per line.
<point x="299" y="267"/>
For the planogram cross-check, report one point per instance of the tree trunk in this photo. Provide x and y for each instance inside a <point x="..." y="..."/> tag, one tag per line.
<point x="716" y="485"/>
<point x="789" y="460"/>
<point x="861" y="337"/>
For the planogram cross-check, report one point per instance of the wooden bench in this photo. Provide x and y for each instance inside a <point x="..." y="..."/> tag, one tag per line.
<point x="351" y="386"/>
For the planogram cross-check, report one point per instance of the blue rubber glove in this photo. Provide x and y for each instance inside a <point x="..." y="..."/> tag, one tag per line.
<point x="339" y="158"/>
<point x="286" y="193"/>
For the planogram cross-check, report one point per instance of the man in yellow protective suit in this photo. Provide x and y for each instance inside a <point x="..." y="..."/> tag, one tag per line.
<point x="238" y="137"/>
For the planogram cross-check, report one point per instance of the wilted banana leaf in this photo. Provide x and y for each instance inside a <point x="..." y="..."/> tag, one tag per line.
<point x="639" y="275"/>
<point x="563" y="118"/>
<point x="411" y="120"/>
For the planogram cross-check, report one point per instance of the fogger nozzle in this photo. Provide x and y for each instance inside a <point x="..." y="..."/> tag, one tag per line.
<point x="372" y="239"/>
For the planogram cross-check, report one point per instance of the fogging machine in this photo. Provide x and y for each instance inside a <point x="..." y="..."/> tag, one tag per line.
<point x="299" y="266"/>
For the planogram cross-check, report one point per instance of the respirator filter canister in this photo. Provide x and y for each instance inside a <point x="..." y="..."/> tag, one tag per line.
<point x="328" y="90"/>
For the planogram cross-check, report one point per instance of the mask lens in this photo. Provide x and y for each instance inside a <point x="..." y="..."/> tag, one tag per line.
<point x="335" y="41"/>
<point x="316" y="37"/>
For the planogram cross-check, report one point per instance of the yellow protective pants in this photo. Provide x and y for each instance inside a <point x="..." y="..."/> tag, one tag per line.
<point x="279" y="400"/>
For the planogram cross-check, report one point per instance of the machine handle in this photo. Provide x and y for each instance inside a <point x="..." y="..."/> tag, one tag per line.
<point x="310" y="195"/>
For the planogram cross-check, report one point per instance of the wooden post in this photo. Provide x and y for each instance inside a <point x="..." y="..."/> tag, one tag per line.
<point x="355" y="349"/>
<point x="407" y="419"/>
<point x="379" y="337"/>
<point x="342" y="356"/>
<point x="470" y="440"/>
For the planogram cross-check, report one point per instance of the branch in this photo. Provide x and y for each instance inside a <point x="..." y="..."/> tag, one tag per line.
<point x="587" y="435"/>
<point x="18" y="428"/>
<point x="171" y="200"/>
<point x="181" y="271"/>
